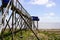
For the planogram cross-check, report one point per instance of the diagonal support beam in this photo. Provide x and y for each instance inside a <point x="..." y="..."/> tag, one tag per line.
<point x="29" y="27"/>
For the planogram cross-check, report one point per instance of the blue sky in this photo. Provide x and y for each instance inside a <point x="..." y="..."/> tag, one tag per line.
<point x="46" y="10"/>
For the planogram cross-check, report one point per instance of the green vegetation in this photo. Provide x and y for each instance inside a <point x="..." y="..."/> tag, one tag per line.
<point x="28" y="35"/>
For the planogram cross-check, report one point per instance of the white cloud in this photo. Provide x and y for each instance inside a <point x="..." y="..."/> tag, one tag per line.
<point x="39" y="2"/>
<point x="49" y="17"/>
<point x="47" y="3"/>
<point x="49" y="14"/>
<point x="50" y="4"/>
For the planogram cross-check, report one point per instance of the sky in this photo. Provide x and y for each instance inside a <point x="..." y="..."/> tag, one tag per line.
<point x="46" y="10"/>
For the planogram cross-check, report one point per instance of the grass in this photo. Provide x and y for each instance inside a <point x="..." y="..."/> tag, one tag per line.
<point x="28" y="35"/>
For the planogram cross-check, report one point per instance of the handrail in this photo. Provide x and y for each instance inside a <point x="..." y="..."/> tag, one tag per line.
<point x="29" y="26"/>
<point x="22" y="13"/>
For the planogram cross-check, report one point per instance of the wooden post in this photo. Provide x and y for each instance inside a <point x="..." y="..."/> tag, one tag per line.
<point x="37" y="24"/>
<point x="12" y="2"/>
<point x="2" y="14"/>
